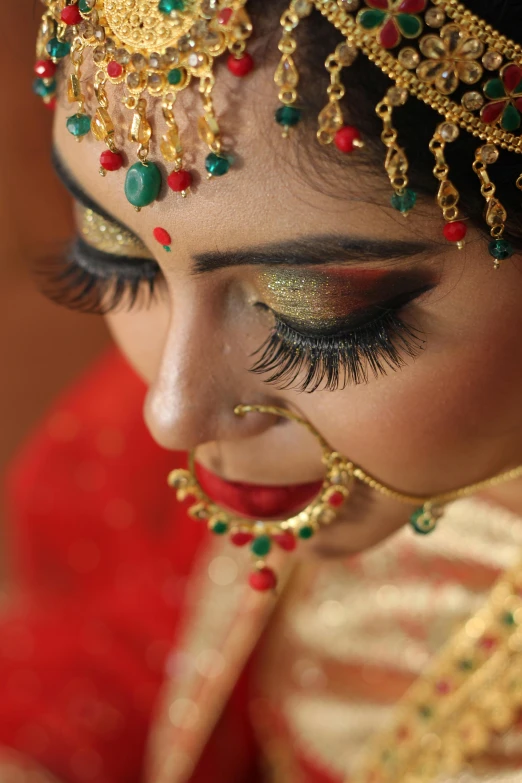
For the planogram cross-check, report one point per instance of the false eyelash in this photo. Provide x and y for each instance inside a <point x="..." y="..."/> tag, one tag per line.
<point x="90" y="281"/>
<point x="333" y="362"/>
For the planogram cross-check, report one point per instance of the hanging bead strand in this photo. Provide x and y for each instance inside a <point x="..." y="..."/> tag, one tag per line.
<point x="78" y="124"/>
<point x="143" y="181"/>
<point x="448" y="196"/>
<point x="179" y="179"/>
<point x="287" y="76"/>
<point x="102" y="127"/>
<point x="496" y="215"/>
<point x="331" y="120"/>
<point x="240" y="62"/>
<point x="396" y="163"/>
<point x="217" y="163"/>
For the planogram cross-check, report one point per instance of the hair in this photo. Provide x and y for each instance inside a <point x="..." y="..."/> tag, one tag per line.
<point x="366" y="85"/>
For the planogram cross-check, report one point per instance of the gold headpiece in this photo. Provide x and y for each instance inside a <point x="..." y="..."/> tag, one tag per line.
<point x="436" y="50"/>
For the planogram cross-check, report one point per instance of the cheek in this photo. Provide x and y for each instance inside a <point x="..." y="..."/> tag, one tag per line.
<point x="141" y="335"/>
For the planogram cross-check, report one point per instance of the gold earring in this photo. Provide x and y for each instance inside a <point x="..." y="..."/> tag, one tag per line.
<point x="261" y="535"/>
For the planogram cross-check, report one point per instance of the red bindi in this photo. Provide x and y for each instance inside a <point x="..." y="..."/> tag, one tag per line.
<point x="163" y="237"/>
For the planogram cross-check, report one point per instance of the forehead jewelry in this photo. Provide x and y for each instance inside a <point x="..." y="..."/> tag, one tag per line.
<point x="145" y="52"/>
<point x="340" y="476"/>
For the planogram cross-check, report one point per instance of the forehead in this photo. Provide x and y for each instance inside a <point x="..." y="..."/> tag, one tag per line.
<point x="277" y="188"/>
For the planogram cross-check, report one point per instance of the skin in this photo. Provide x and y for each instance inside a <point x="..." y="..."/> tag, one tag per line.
<point x="448" y="418"/>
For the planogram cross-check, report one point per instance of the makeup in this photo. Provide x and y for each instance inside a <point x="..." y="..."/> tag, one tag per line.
<point x="163" y="238"/>
<point x="102" y="234"/>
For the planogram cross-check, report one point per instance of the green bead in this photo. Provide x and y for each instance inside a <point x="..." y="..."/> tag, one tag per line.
<point x="44" y="87"/>
<point x="175" y="76"/>
<point x="422" y="522"/>
<point x="508" y="618"/>
<point x="409" y="25"/>
<point x="500" y="249"/>
<point x="142" y="184"/>
<point x="288" y="116"/>
<point x="58" y="49"/>
<point x="306" y="532"/>
<point x="79" y="124"/>
<point x="425" y="711"/>
<point x="220" y="528"/>
<point x="466" y="665"/>
<point x="371" y="18"/>
<point x="405" y="201"/>
<point x="168" y="6"/>
<point x="84" y="6"/>
<point x="217" y="165"/>
<point x="261" y="546"/>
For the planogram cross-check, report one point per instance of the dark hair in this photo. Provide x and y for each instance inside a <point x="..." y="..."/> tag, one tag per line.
<point x="365" y="87"/>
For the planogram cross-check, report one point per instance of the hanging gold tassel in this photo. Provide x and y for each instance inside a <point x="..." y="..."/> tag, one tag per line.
<point x="496" y="215"/>
<point x="448" y="196"/>
<point x="331" y="120"/>
<point x="396" y="163"/>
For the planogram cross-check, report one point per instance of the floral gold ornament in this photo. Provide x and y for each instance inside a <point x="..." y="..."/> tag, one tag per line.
<point x="340" y="476"/>
<point x="151" y="50"/>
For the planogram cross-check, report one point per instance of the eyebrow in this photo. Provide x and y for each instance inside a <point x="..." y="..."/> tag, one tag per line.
<point x="312" y="250"/>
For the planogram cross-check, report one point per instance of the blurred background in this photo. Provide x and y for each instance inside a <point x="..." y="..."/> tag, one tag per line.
<point x="42" y="347"/>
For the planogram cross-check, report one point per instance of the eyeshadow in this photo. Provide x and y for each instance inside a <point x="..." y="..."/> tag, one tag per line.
<point x="102" y="234"/>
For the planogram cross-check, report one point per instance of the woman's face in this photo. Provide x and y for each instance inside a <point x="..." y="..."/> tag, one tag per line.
<point x="275" y="245"/>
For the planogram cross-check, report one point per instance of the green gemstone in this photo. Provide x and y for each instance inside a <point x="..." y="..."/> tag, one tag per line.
<point x="44" y="87"/>
<point x="465" y="665"/>
<point x="220" y="528"/>
<point x="58" y="49"/>
<point x="79" y="124"/>
<point x="421" y="523"/>
<point x="85" y="6"/>
<point x="405" y="201"/>
<point x="261" y="546"/>
<point x="425" y="711"/>
<point x="494" y="89"/>
<point x="508" y="618"/>
<point x="371" y="18"/>
<point x="510" y="118"/>
<point x="175" y="76"/>
<point x="288" y="116"/>
<point x="306" y="532"/>
<point x="409" y="25"/>
<point x="142" y="184"/>
<point x="217" y="165"/>
<point x="500" y="249"/>
<point x="168" y="6"/>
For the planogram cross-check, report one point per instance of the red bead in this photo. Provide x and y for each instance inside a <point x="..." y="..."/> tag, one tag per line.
<point x="241" y="66"/>
<point x="345" y="137"/>
<point x="241" y="538"/>
<point x="45" y="69"/>
<point x="51" y="105"/>
<point x="71" y="15"/>
<point x="111" y="161"/>
<point x="180" y="180"/>
<point x="336" y="499"/>
<point x="456" y="231"/>
<point x="262" y="580"/>
<point x="286" y="541"/>
<point x="225" y="16"/>
<point x="487" y="643"/>
<point x="443" y="687"/>
<point x="114" y="69"/>
<point x="162" y="236"/>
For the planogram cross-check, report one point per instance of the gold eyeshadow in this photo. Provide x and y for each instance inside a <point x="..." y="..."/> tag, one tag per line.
<point x="107" y="236"/>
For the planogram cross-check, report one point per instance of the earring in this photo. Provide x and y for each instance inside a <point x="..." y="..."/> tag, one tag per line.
<point x="261" y="536"/>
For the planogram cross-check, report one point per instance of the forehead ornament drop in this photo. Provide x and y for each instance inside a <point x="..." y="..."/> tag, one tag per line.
<point x="434" y="50"/>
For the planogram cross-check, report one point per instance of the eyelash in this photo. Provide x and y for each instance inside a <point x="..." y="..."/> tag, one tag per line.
<point x="90" y="281"/>
<point x="306" y="363"/>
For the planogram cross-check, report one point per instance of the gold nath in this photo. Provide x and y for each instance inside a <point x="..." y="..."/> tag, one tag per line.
<point x="434" y="50"/>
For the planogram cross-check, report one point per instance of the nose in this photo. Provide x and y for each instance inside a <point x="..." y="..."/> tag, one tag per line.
<point x="201" y="378"/>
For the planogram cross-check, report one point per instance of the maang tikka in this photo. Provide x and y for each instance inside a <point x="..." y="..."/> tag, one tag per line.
<point x="434" y="50"/>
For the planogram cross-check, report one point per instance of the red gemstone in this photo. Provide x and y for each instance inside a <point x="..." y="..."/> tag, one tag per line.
<point x="511" y="77"/>
<point x="492" y="111"/>
<point x="412" y="6"/>
<point x="487" y="642"/>
<point x="111" y="161"/>
<point x="443" y="687"/>
<point x="51" y="105"/>
<point x="71" y="15"/>
<point x="403" y="733"/>
<point x="262" y="580"/>
<point x="45" y="69"/>
<point x="241" y="538"/>
<point x="241" y="66"/>
<point x="162" y="236"/>
<point x="336" y="499"/>
<point x="286" y="541"/>
<point x="180" y="180"/>
<point x="345" y="137"/>
<point x="456" y="231"/>
<point x="114" y="69"/>
<point x="382" y="5"/>
<point x="225" y="16"/>
<point x="390" y="35"/>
